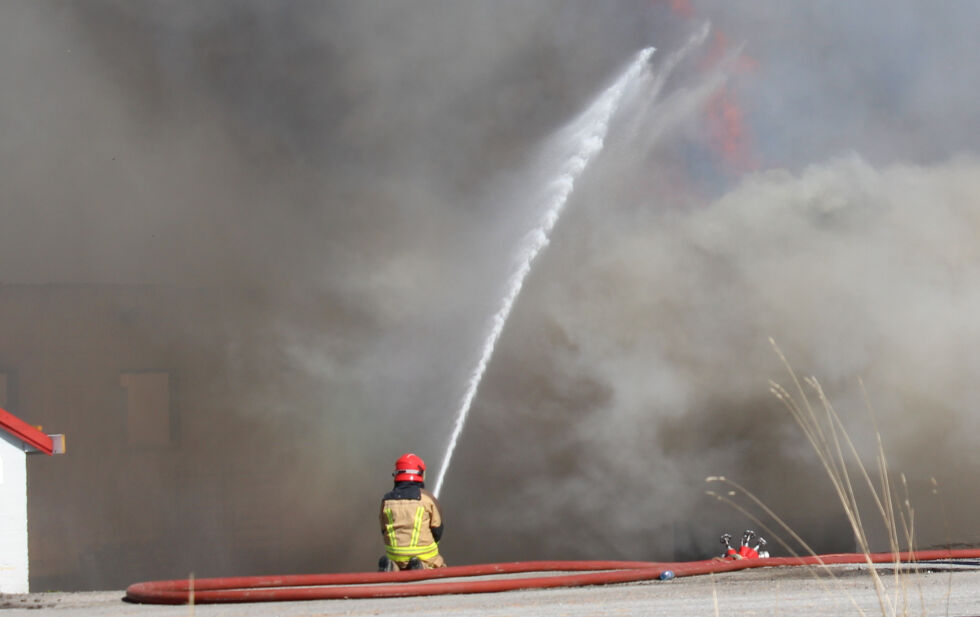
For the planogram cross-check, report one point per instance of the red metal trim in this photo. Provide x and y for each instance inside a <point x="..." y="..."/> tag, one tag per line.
<point x="25" y="432"/>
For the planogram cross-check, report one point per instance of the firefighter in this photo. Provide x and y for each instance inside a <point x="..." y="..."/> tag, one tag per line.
<point x="411" y="521"/>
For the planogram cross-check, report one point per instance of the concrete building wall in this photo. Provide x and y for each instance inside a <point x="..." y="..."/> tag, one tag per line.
<point x="177" y="461"/>
<point x="13" y="515"/>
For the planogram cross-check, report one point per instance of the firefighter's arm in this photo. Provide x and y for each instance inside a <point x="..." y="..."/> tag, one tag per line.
<point x="435" y="518"/>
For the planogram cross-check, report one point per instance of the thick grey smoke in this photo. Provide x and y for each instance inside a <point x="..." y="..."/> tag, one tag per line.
<point x="321" y="197"/>
<point x="858" y="273"/>
<point x="640" y="353"/>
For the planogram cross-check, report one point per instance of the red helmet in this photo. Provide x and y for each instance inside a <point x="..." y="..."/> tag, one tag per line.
<point x="409" y="467"/>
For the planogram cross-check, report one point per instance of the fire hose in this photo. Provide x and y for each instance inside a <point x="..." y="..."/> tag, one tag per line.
<point x="427" y="582"/>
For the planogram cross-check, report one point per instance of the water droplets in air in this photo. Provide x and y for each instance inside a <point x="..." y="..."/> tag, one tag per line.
<point x="569" y="154"/>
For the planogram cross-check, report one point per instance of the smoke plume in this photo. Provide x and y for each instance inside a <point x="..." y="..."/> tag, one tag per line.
<point x="308" y="211"/>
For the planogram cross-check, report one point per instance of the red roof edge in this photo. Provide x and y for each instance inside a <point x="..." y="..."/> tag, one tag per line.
<point x="25" y="432"/>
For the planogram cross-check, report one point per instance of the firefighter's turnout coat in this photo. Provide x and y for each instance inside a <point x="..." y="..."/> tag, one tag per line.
<point x="412" y="525"/>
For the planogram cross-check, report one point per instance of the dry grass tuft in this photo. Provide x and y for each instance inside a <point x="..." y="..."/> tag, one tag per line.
<point x="822" y="427"/>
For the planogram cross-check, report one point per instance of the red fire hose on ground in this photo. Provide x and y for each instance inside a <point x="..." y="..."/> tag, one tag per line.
<point x="409" y="582"/>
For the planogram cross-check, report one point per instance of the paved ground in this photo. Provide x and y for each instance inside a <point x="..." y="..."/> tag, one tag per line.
<point x="944" y="590"/>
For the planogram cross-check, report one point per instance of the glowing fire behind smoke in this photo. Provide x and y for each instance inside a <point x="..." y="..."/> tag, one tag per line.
<point x="728" y="134"/>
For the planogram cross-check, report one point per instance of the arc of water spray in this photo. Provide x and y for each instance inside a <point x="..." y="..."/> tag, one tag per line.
<point x="587" y="133"/>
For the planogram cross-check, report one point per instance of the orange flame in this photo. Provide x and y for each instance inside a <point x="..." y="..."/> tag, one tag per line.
<point x="727" y="130"/>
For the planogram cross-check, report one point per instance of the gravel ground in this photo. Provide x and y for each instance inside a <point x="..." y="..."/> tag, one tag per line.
<point x="943" y="590"/>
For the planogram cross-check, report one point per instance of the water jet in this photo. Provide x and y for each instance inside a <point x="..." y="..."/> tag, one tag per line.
<point x="573" y="148"/>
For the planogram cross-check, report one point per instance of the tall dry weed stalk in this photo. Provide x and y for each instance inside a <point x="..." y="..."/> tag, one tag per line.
<point x="821" y="424"/>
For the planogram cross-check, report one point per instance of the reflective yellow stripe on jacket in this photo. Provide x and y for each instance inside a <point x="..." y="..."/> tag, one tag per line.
<point x="390" y="528"/>
<point x="404" y="553"/>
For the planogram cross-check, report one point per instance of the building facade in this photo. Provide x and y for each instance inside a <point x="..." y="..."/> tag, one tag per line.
<point x="183" y="459"/>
